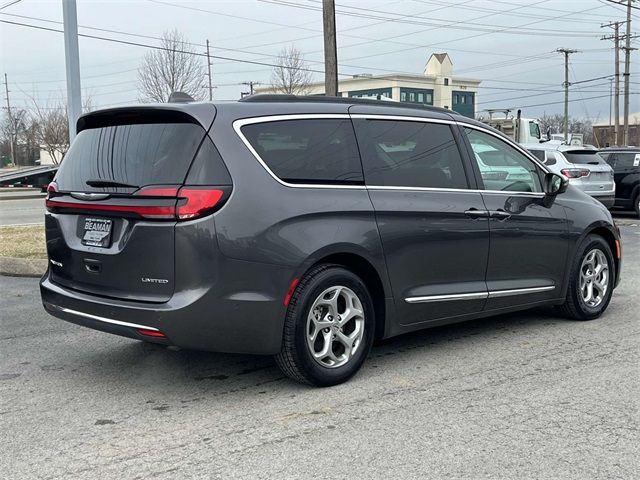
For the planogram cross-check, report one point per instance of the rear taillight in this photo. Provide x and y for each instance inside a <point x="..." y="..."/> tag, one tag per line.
<point x="197" y="201"/>
<point x="575" y="172"/>
<point x="173" y="203"/>
<point x="52" y="187"/>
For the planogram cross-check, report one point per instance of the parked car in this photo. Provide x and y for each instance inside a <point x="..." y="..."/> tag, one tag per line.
<point x="626" y="168"/>
<point x="583" y="166"/>
<point x="307" y="227"/>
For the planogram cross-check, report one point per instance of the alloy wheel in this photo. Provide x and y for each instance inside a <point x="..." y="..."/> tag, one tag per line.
<point x="594" y="278"/>
<point x="335" y="326"/>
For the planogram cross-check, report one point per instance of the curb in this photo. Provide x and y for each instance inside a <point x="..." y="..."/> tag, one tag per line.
<point x="22" y="267"/>
<point x="23" y="197"/>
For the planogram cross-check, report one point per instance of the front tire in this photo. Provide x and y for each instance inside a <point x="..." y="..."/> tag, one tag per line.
<point x="591" y="280"/>
<point x="329" y="327"/>
<point x="637" y="205"/>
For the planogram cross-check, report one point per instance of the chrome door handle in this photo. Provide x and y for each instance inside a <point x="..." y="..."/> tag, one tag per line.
<point x="499" y="214"/>
<point x="475" y="213"/>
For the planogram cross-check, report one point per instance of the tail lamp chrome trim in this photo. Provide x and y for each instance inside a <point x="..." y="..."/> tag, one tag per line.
<point x="102" y="319"/>
<point x="479" y="295"/>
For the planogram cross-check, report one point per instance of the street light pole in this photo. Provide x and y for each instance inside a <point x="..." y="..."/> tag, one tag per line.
<point x="72" y="62"/>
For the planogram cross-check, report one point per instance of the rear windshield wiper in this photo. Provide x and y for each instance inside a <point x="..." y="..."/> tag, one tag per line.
<point x="108" y="183"/>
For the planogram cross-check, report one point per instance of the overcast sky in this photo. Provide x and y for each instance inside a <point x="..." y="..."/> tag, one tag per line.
<point x="509" y="45"/>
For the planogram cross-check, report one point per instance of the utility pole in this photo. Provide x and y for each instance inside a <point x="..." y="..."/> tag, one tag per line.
<point x="12" y="132"/>
<point x="250" y="84"/>
<point x="616" y="105"/>
<point x="565" y="123"/>
<point x="627" y="73"/>
<point x="330" y="51"/>
<point x="72" y="62"/>
<point x="209" y="73"/>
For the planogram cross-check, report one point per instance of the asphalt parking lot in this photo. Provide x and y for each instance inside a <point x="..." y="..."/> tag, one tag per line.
<point x="521" y="396"/>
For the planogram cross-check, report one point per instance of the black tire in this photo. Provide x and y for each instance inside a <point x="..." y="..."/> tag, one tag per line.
<point x="636" y="204"/>
<point x="574" y="306"/>
<point x="295" y="358"/>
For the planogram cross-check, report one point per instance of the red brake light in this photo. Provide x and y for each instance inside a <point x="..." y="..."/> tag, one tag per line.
<point x="157" y="192"/>
<point x="196" y="201"/>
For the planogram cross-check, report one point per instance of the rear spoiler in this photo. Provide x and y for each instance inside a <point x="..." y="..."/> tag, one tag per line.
<point x="198" y="113"/>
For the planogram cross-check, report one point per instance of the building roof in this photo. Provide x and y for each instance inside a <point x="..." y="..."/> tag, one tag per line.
<point x="441" y="56"/>
<point x="634" y="118"/>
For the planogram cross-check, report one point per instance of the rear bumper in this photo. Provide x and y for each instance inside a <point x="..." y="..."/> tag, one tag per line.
<point x="212" y="319"/>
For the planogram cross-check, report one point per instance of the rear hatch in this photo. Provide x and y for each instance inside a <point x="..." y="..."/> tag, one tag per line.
<point x="116" y="199"/>
<point x="589" y="171"/>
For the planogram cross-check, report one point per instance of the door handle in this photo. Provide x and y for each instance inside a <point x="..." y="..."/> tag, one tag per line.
<point x="499" y="214"/>
<point x="475" y="213"/>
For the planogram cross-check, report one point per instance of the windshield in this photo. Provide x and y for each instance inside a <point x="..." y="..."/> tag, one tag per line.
<point x="534" y="130"/>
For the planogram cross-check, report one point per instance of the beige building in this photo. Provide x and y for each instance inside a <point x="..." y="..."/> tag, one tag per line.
<point x="437" y="86"/>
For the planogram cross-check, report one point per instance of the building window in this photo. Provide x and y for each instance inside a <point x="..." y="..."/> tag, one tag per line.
<point x="421" y="97"/>
<point x="403" y="96"/>
<point x="455" y="98"/>
<point x="446" y="82"/>
<point x="462" y="97"/>
<point x="412" y="97"/>
<point x="429" y="99"/>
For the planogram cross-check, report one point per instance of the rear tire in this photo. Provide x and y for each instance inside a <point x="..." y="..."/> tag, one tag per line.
<point x="329" y="327"/>
<point x="591" y="280"/>
<point x="636" y="204"/>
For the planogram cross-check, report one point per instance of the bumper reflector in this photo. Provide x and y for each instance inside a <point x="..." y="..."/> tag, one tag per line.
<point x="150" y="333"/>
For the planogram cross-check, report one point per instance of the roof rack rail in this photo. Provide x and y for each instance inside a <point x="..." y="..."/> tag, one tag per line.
<point x="284" y="98"/>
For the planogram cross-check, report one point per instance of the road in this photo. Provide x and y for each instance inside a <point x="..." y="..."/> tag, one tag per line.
<point x="22" y="211"/>
<point x="521" y="396"/>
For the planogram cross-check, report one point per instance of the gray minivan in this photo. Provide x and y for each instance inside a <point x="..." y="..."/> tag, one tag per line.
<point x="308" y="227"/>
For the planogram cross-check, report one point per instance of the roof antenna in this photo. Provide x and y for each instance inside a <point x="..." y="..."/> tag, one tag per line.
<point x="180" y="97"/>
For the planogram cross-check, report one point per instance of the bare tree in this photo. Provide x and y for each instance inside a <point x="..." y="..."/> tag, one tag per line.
<point x="174" y="68"/>
<point x="291" y="74"/>
<point x="51" y="127"/>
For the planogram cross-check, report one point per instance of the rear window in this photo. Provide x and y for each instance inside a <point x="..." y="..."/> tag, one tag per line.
<point x="584" y="157"/>
<point x="137" y="155"/>
<point x="308" y="151"/>
<point x="627" y="160"/>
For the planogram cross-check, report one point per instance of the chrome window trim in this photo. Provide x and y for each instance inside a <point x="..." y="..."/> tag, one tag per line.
<point x="238" y="124"/>
<point x="102" y="319"/>
<point x="479" y="295"/>
<point x="455" y="190"/>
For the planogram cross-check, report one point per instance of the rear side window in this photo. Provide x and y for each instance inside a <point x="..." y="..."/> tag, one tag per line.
<point x="308" y="151"/>
<point x="136" y="155"/>
<point x="584" y="157"/>
<point x="539" y="154"/>
<point x="410" y="154"/>
<point x="627" y="160"/>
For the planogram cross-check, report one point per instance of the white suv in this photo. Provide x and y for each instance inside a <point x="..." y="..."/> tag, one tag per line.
<point x="583" y="166"/>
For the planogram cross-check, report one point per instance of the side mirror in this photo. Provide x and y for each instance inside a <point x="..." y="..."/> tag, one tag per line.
<point x="555" y="184"/>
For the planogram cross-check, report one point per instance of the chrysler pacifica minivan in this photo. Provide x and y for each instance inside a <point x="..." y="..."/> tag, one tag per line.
<point x="307" y="228"/>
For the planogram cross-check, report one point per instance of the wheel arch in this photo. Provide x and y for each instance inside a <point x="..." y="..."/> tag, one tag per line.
<point x="376" y="281"/>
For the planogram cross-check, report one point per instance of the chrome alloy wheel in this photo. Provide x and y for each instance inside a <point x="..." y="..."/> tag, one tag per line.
<point x="594" y="278"/>
<point x="335" y="326"/>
